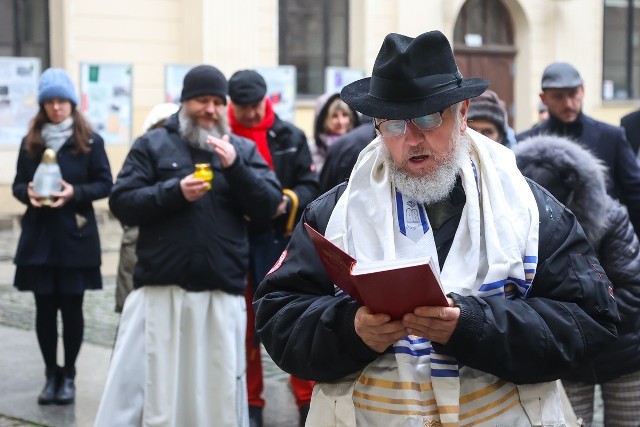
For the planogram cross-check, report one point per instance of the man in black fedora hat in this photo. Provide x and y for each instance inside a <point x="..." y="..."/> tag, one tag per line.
<point x="526" y="297"/>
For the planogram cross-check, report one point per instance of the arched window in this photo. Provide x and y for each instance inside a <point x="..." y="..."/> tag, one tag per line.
<point x="483" y="23"/>
<point x="314" y="34"/>
<point x="484" y="47"/>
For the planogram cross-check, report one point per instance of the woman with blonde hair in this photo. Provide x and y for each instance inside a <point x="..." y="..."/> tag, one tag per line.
<point x="333" y="119"/>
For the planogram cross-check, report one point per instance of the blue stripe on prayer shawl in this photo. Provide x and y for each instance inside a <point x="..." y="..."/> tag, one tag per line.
<point x="400" y="208"/>
<point x="411" y="352"/>
<point x="423" y="219"/>
<point x="529" y="271"/>
<point x="418" y="340"/>
<point x="475" y="175"/>
<point x="450" y="362"/>
<point x="519" y="282"/>
<point x="530" y="259"/>
<point x="445" y="373"/>
<point x="492" y="286"/>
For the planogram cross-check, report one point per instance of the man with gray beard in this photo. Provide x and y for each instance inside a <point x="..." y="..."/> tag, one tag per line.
<point x="527" y="298"/>
<point x="179" y="358"/>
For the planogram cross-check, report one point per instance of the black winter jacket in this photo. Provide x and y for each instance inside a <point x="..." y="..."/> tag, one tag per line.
<point x="609" y="144"/>
<point x="577" y="177"/>
<point x="343" y="154"/>
<point x="567" y="316"/>
<point x="631" y="125"/>
<point x="200" y="245"/>
<point x="293" y="167"/>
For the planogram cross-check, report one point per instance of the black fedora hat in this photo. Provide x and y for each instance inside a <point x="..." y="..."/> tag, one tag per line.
<point x="412" y="77"/>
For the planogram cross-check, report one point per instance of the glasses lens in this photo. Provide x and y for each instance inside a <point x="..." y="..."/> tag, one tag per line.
<point x="392" y="127"/>
<point x="428" y="122"/>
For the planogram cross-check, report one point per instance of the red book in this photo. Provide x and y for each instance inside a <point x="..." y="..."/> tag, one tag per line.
<point x="394" y="287"/>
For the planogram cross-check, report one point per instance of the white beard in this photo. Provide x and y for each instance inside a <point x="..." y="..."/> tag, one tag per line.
<point x="196" y="135"/>
<point x="436" y="185"/>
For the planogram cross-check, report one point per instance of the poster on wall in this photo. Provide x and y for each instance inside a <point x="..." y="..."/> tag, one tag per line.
<point x="281" y="89"/>
<point x="335" y="78"/>
<point x="18" y="97"/>
<point x="105" y="91"/>
<point x="173" y="78"/>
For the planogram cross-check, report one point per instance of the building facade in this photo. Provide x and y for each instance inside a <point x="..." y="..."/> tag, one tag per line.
<point x="507" y="41"/>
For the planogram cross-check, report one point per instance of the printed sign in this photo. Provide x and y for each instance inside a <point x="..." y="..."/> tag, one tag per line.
<point x="335" y="78"/>
<point x="281" y="89"/>
<point x="18" y="97"/>
<point x="106" y="100"/>
<point x="173" y="78"/>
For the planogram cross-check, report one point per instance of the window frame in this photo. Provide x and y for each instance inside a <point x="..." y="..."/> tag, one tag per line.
<point x="18" y="44"/>
<point x="632" y="86"/>
<point x="287" y="57"/>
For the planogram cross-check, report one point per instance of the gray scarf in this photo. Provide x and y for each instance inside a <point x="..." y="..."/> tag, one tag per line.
<point x="55" y="135"/>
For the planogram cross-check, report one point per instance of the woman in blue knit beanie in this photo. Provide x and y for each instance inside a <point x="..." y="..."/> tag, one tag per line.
<point x="58" y="254"/>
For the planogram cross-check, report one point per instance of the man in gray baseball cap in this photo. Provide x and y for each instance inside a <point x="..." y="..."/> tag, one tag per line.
<point x="562" y="92"/>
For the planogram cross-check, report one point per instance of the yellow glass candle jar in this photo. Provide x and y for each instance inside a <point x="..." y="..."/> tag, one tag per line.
<point x="204" y="172"/>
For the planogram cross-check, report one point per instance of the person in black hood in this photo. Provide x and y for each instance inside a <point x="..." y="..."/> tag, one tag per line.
<point x="563" y="92"/>
<point x="577" y="179"/>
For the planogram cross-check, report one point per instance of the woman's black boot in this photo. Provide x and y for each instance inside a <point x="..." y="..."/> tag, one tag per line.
<point x="67" y="389"/>
<point x="48" y="394"/>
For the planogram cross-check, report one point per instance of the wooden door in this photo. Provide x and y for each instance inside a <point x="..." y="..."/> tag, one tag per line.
<point x="484" y="47"/>
<point x="495" y="66"/>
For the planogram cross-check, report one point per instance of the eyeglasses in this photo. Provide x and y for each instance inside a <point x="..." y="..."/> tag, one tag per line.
<point x="396" y="128"/>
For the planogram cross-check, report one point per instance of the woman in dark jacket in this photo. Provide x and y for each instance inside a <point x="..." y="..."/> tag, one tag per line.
<point x="58" y="254"/>
<point x="577" y="179"/>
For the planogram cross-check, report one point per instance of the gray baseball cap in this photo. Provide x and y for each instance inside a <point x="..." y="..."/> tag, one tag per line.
<point x="560" y="75"/>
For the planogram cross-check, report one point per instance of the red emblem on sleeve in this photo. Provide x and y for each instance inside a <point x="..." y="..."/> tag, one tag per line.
<point x="278" y="262"/>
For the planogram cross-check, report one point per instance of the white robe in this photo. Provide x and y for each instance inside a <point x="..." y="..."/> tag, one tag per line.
<point x="179" y="360"/>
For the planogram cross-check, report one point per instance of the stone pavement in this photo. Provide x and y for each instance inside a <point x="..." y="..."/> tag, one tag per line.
<point x="22" y="370"/>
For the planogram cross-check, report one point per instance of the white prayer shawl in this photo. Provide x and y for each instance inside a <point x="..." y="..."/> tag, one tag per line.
<point x="493" y="254"/>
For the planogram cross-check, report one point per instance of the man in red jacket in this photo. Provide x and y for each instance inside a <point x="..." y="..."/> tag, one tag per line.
<point x="285" y="149"/>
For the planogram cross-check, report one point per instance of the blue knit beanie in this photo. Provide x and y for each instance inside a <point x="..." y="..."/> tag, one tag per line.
<point x="55" y="83"/>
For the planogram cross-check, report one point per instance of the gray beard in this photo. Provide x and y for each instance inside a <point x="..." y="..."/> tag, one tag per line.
<point x="196" y="135"/>
<point x="436" y="185"/>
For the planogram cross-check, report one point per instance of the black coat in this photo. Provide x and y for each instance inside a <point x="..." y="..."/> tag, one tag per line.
<point x="200" y="245"/>
<point x="343" y="153"/>
<point x="609" y="144"/>
<point x="631" y="125"/>
<point x="66" y="236"/>
<point x="293" y="167"/>
<point x="568" y="314"/>
<point x="556" y="163"/>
